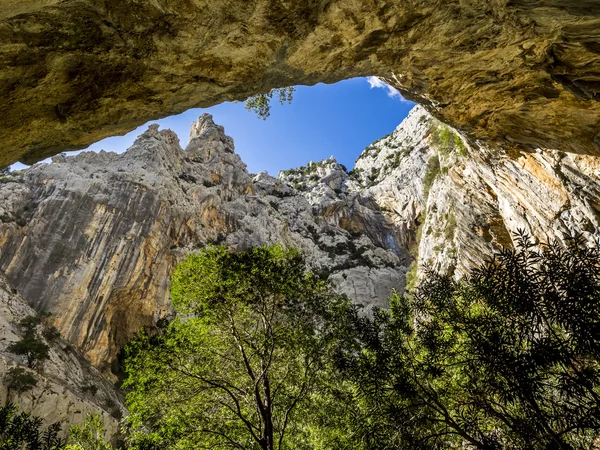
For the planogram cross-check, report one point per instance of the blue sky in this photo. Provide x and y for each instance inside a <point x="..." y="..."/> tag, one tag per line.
<point x="323" y="120"/>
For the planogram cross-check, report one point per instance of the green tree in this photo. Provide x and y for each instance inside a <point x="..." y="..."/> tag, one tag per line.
<point x="261" y="103"/>
<point x="19" y="380"/>
<point x="506" y="358"/>
<point x="247" y="362"/>
<point x="30" y="346"/>
<point x="22" y="431"/>
<point x="88" y="436"/>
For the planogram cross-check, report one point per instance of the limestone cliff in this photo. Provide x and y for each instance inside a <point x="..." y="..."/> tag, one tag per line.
<point x="518" y="72"/>
<point x="93" y="238"/>
<point x="67" y="386"/>
<point x="466" y="201"/>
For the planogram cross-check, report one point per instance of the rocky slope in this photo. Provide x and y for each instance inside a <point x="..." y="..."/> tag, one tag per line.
<point x="67" y="386"/>
<point x="92" y="238"/>
<point x="518" y="72"/>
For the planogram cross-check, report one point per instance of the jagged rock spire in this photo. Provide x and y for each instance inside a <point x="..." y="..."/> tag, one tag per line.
<point x="205" y="136"/>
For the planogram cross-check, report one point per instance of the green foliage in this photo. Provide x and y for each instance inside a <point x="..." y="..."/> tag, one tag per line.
<point x="411" y="277"/>
<point x="261" y="103"/>
<point x="22" y="431"/>
<point x="29" y="324"/>
<point x="248" y="362"/>
<point x="506" y="358"/>
<point x="88" y="436"/>
<point x="372" y="177"/>
<point x="30" y="346"/>
<point x="51" y="334"/>
<point x="431" y="172"/>
<point x="447" y="141"/>
<point x="19" y="380"/>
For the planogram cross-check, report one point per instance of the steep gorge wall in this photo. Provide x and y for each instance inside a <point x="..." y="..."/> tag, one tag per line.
<point x="507" y="72"/>
<point x="93" y="238"/>
<point x="67" y="386"/>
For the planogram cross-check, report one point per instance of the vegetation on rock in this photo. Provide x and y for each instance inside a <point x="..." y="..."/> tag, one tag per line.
<point x="19" y="380"/>
<point x="30" y="345"/>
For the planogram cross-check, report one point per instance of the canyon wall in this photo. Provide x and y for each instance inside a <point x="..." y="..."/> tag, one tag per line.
<point x="522" y="73"/>
<point x="92" y="239"/>
<point x="67" y="387"/>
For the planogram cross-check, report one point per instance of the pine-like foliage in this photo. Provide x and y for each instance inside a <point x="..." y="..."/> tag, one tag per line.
<point x="506" y="358"/>
<point x="21" y="431"/>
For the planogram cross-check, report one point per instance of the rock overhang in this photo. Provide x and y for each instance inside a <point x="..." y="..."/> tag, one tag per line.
<point x="523" y="73"/>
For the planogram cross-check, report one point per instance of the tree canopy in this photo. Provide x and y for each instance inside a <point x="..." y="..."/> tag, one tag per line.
<point x="506" y="358"/>
<point x="247" y="364"/>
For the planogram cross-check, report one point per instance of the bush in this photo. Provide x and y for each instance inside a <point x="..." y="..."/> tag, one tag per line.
<point x="19" y="380"/>
<point x="30" y="346"/>
<point x="51" y="334"/>
<point x="88" y="436"/>
<point x="21" y="431"/>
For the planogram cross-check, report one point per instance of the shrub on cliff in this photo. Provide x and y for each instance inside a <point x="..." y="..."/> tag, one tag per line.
<point x="19" y="380"/>
<point x="30" y="345"/>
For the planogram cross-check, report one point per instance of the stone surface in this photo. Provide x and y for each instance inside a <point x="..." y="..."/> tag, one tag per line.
<point x="93" y="238"/>
<point x="518" y="72"/>
<point x="67" y="388"/>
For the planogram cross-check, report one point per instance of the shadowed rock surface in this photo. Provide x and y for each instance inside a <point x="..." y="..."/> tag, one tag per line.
<point x="522" y="73"/>
<point x="68" y="387"/>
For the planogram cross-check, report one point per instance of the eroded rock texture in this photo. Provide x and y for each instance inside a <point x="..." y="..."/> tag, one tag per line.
<point x="93" y="238"/>
<point x="67" y="386"/>
<point x="509" y="72"/>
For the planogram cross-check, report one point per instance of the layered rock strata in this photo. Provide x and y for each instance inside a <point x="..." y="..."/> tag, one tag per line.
<point x="519" y="72"/>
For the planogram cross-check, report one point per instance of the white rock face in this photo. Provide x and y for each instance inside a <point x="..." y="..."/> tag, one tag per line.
<point x="68" y="387"/>
<point x="93" y="238"/>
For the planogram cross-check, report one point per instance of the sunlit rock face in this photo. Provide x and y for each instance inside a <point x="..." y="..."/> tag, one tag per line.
<point x="68" y="387"/>
<point x="477" y="199"/>
<point x="93" y="238"/>
<point x="520" y="72"/>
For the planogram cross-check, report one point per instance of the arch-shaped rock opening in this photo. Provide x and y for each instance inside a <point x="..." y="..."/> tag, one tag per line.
<point x="520" y="72"/>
